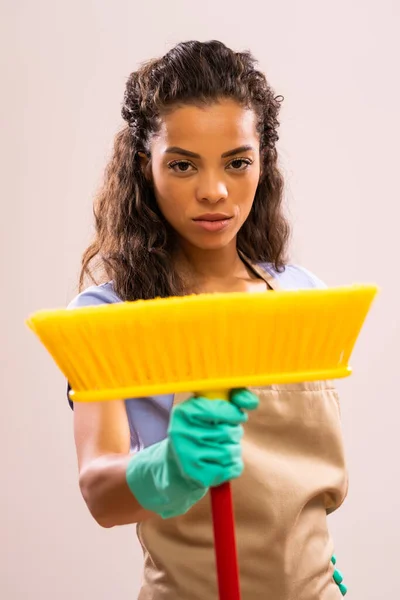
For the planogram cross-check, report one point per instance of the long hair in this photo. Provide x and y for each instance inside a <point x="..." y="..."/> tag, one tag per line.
<point x="133" y="242"/>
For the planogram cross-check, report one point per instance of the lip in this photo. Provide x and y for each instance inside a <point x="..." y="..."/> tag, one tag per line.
<point x="212" y="217"/>
<point x="213" y="221"/>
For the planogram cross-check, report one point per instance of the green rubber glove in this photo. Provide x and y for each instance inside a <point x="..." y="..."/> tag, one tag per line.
<point x="338" y="578"/>
<point x="202" y="449"/>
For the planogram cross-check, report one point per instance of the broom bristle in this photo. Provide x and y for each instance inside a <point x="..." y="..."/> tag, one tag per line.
<point x="206" y="341"/>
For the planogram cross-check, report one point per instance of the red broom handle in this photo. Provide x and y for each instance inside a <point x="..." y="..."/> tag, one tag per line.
<point x="225" y="542"/>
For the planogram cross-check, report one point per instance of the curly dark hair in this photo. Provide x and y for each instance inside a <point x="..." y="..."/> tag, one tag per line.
<point x="133" y="242"/>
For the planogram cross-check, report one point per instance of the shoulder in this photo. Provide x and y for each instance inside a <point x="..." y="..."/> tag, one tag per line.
<point x="92" y="296"/>
<point x="95" y="294"/>
<point x="295" y="277"/>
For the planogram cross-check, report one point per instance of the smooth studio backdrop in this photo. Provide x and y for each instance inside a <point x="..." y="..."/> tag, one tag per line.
<point x="64" y="67"/>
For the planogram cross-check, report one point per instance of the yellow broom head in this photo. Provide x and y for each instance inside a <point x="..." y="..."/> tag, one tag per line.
<point x="204" y="342"/>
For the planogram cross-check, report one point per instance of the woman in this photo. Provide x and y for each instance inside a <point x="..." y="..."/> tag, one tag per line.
<point x="192" y="203"/>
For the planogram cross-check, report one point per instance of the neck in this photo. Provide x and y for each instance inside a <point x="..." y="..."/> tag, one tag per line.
<point x="200" y="265"/>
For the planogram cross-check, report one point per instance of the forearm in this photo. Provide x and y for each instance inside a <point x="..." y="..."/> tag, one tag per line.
<point x="106" y="492"/>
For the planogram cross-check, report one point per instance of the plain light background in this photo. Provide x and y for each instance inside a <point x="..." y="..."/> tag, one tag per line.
<point x="64" y="67"/>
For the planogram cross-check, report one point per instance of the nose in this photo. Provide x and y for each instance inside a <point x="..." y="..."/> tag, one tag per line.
<point x="211" y="188"/>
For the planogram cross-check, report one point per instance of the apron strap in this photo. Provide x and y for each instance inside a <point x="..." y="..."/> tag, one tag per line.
<point x="261" y="271"/>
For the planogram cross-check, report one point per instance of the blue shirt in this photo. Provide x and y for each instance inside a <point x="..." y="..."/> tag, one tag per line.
<point x="149" y="417"/>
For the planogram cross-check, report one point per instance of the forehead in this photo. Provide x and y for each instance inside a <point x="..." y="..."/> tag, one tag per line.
<point x="226" y="124"/>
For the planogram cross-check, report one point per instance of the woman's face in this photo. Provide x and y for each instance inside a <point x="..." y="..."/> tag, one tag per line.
<point x="205" y="168"/>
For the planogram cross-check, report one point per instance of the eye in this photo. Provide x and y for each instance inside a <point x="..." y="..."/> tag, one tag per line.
<point x="180" y="166"/>
<point x="240" y="164"/>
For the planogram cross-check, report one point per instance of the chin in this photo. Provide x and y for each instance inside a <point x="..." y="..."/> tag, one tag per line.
<point x="213" y="242"/>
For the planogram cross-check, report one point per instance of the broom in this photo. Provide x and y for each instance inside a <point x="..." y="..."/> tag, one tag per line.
<point x="207" y="344"/>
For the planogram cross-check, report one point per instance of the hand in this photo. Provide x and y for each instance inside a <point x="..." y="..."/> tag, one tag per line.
<point x="244" y="399"/>
<point x="338" y="577"/>
<point x="205" y="437"/>
<point x="203" y="449"/>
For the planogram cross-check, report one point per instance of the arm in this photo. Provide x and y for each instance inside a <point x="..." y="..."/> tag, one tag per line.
<point x="202" y="449"/>
<point x="102" y="442"/>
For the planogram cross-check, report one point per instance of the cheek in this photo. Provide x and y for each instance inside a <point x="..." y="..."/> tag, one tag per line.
<point x="171" y="195"/>
<point x="246" y="190"/>
<point x="255" y="177"/>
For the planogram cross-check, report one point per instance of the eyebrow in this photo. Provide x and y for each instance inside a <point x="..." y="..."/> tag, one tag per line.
<point x="183" y="152"/>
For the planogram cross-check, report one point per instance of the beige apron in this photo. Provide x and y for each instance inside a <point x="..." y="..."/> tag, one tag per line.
<point x="294" y="475"/>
